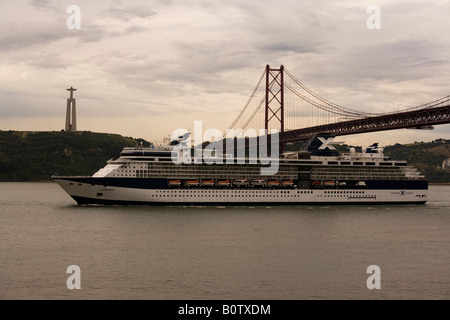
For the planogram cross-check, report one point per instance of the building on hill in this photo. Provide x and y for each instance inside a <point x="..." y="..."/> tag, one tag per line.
<point x="440" y="140"/>
<point x="446" y="164"/>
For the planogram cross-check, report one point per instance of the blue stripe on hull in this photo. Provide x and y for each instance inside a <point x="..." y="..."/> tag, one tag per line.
<point x="397" y="184"/>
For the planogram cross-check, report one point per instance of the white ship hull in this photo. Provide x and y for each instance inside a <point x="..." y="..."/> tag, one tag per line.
<point x="87" y="193"/>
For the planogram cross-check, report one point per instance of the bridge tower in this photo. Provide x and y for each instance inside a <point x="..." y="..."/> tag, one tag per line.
<point x="274" y="104"/>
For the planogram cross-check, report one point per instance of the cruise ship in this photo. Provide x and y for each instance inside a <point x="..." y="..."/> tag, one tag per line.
<point x="317" y="174"/>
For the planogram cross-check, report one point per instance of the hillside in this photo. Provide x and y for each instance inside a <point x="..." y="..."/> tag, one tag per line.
<point x="38" y="155"/>
<point x="426" y="156"/>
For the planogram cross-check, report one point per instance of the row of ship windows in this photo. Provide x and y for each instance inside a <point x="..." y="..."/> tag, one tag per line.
<point x="257" y="165"/>
<point x="208" y="177"/>
<point x="258" y="192"/>
<point x="217" y="171"/>
<point x="227" y="170"/>
<point x="353" y="177"/>
<point x="212" y="173"/>
<point x="230" y="192"/>
<point x="343" y="196"/>
<point x="359" y="178"/>
<point x="344" y="192"/>
<point x="356" y="173"/>
<point x="202" y="168"/>
<point x="184" y="176"/>
<point x="346" y="163"/>
<point x="202" y="171"/>
<point x="288" y="172"/>
<point x="253" y="195"/>
<point x="356" y="170"/>
<point x="221" y="195"/>
<point x="314" y="176"/>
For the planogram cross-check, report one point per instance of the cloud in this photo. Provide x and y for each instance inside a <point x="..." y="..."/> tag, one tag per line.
<point x="45" y="24"/>
<point x="44" y="4"/>
<point x="179" y="61"/>
<point x="128" y="13"/>
<point x="19" y="36"/>
<point x="406" y="59"/>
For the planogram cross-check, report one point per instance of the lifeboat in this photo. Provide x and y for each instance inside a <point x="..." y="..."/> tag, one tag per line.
<point x="175" y="183"/>
<point x="329" y="183"/>
<point x="273" y="183"/>
<point x="191" y="183"/>
<point x="287" y="183"/>
<point x="223" y="183"/>
<point x="240" y="182"/>
<point x="316" y="183"/>
<point x="208" y="183"/>
<point x="258" y="182"/>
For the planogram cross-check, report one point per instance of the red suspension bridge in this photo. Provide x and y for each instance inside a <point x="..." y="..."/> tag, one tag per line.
<point x="286" y="104"/>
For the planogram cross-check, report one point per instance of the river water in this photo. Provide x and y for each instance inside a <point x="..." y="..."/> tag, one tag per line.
<point x="215" y="252"/>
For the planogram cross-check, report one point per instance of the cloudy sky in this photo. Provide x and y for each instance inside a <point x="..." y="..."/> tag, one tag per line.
<point x="146" y="68"/>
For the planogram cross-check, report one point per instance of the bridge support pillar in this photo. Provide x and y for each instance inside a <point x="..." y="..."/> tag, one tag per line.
<point x="274" y="106"/>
